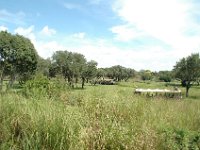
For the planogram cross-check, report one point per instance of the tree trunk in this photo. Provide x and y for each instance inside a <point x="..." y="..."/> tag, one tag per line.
<point x="1" y="84"/>
<point x="83" y="82"/>
<point x="76" y="80"/>
<point x="69" y="80"/>
<point x="1" y="78"/>
<point x="65" y="78"/>
<point x="183" y="83"/>
<point x="187" y="89"/>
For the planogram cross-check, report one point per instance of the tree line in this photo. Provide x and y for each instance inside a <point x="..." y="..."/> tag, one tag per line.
<point x="73" y="67"/>
<point x="19" y="60"/>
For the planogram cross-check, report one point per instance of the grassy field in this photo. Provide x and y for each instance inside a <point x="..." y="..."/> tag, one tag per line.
<point x="100" y="117"/>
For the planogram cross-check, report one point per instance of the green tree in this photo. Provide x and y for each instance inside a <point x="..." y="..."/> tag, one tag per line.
<point x="70" y="65"/>
<point x="61" y="64"/>
<point x="5" y="54"/>
<point x="78" y="65"/>
<point x="128" y="73"/>
<point x="90" y="71"/>
<point x="100" y="73"/>
<point x="25" y="58"/>
<point x="188" y="70"/>
<point x="18" y="57"/>
<point x="119" y="73"/>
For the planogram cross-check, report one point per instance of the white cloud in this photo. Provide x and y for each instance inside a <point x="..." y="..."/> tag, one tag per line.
<point x="105" y="52"/>
<point x="3" y="28"/>
<point x="48" y="31"/>
<point x="27" y="32"/>
<point x="170" y="22"/>
<point x="79" y="35"/>
<point x="47" y="48"/>
<point x="44" y="47"/>
<point x="125" y="32"/>
<point x="167" y="21"/>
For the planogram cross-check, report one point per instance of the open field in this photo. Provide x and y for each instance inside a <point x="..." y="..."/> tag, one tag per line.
<point x="100" y="117"/>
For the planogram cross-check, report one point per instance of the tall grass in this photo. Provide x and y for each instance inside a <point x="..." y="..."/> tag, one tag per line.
<point x="98" y="117"/>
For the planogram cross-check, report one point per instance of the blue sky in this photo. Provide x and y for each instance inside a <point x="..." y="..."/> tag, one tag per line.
<point x="138" y="34"/>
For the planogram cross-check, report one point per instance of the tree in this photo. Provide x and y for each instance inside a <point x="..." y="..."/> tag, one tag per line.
<point x="128" y="73"/>
<point x="79" y="67"/>
<point x="61" y="63"/>
<point x="70" y="65"/>
<point x="119" y="73"/>
<point x="90" y="71"/>
<point x="5" y="54"/>
<point x="25" y="58"/>
<point x="17" y="57"/>
<point x="188" y="70"/>
<point x="100" y="73"/>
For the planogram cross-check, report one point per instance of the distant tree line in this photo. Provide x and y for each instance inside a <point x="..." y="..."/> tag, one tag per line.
<point x="19" y="60"/>
<point x="74" y="67"/>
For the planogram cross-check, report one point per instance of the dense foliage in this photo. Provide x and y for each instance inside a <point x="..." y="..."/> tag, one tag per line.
<point x="146" y="74"/>
<point x="18" y="57"/>
<point x="188" y="70"/>
<point x="165" y="76"/>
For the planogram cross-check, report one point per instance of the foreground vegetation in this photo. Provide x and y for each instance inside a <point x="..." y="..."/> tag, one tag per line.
<point x="98" y="117"/>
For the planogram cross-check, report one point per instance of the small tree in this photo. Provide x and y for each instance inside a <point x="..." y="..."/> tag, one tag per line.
<point x="146" y="75"/>
<point x="70" y="65"/>
<point x="188" y="71"/>
<point x="26" y="58"/>
<point x="100" y="73"/>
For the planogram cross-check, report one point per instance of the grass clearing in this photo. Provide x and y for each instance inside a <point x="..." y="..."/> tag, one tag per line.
<point x="100" y="117"/>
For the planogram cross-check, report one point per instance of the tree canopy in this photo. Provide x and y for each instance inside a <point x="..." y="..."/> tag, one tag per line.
<point x="188" y="70"/>
<point x="17" y="57"/>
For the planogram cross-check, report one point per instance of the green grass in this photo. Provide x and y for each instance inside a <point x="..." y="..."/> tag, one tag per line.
<point x="100" y="117"/>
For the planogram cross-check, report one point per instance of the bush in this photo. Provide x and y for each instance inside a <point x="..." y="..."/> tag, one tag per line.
<point x="165" y="78"/>
<point x="180" y="139"/>
<point x="41" y="86"/>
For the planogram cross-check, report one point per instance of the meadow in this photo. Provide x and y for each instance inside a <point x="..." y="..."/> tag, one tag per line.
<point x="99" y="117"/>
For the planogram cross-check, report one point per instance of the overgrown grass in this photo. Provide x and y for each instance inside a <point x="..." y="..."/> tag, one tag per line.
<point x="99" y="117"/>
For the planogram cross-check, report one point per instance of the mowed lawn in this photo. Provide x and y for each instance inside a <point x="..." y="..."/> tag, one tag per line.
<point x="100" y="117"/>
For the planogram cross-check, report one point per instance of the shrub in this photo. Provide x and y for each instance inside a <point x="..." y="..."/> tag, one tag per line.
<point x="41" y="86"/>
<point x="165" y="78"/>
<point x="180" y="139"/>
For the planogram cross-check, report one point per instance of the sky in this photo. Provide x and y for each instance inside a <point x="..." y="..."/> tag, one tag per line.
<point x="139" y="34"/>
